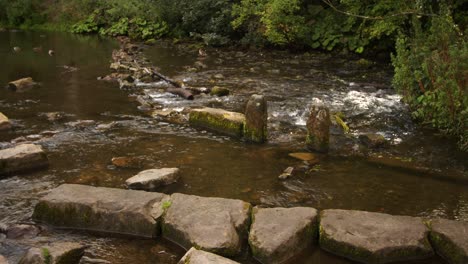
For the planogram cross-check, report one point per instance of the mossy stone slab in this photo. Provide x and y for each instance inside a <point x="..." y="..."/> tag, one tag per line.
<point x="450" y="240"/>
<point x="219" y="120"/>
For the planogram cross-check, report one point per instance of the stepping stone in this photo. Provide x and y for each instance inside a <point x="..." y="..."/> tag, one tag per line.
<point x="22" y="158"/>
<point x="216" y="225"/>
<point x="219" y="120"/>
<point x="152" y="179"/>
<point x="194" y="256"/>
<point x="277" y="234"/>
<point x="450" y="240"/>
<point x="4" y="122"/>
<point x="374" y="237"/>
<point x="256" y="115"/>
<point x="56" y="253"/>
<point x="99" y="209"/>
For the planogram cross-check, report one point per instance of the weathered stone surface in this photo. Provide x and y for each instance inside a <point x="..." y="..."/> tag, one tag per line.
<point x="450" y="240"/>
<point x="152" y="179"/>
<point x="4" y="122"/>
<point x="213" y="224"/>
<point x="100" y="209"/>
<point x="278" y="234"/>
<point x="22" y="231"/>
<point x="373" y="237"/>
<point x="22" y="158"/>
<point x="3" y="260"/>
<point x="56" y="253"/>
<point x="255" y="128"/>
<point x="222" y="121"/>
<point x="318" y="129"/>
<point x="127" y="162"/>
<point x="194" y="256"/>
<point x="372" y="140"/>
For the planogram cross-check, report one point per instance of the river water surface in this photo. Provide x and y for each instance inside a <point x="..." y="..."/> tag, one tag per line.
<point x="432" y="182"/>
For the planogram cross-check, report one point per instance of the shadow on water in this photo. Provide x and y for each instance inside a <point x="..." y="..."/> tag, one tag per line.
<point x="214" y="165"/>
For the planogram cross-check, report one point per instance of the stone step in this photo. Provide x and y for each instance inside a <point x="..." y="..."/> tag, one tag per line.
<point x="450" y="240"/>
<point x="99" y="209"/>
<point x="22" y="158"/>
<point x="195" y="256"/>
<point x="216" y="225"/>
<point x="153" y="179"/>
<point x="373" y="237"/>
<point x="219" y="120"/>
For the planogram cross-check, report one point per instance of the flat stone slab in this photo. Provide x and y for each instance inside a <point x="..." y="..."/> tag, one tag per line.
<point x="22" y="158"/>
<point x="450" y="240"/>
<point x="4" y="122"/>
<point x="99" y="209"/>
<point x="152" y="179"/>
<point x="219" y="120"/>
<point x="374" y="237"/>
<point x="216" y="225"/>
<point x="277" y="234"/>
<point x="195" y="256"/>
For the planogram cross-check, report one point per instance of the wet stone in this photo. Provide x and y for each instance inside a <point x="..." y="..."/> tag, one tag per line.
<point x="22" y="231"/>
<point x="450" y="240"/>
<point x="152" y="179"/>
<point x="22" y="158"/>
<point x="277" y="234"/>
<point x="304" y="156"/>
<point x="219" y="91"/>
<point x="56" y="253"/>
<point x="255" y="128"/>
<point x="22" y="84"/>
<point x="216" y="225"/>
<point x="288" y="172"/>
<point x="222" y="121"/>
<point x="374" y="237"/>
<point x="4" y="122"/>
<point x="195" y="256"/>
<point x="373" y="140"/>
<point x="318" y="129"/>
<point x="99" y="209"/>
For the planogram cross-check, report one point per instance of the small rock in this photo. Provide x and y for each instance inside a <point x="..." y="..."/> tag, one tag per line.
<point x="4" y="122"/>
<point x="81" y="123"/>
<point x="218" y="76"/>
<point x="127" y="162"/>
<point x="19" y="140"/>
<point x="22" y="231"/>
<point x="3" y="228"/>
<point x="318" y="129"/>
<point x="450" y="240"/>
<point x="219" y="91"/>
<point x="286" y="173"/>
<point x="22" y="158"/>
<point x="106" y="126"/>
<point x="88" y="260"/>
<point x="200" y="65"/>
<point x="274" y="71"/>
<point x="373" y="140"/>
<point x="195" y="256"/>
<point x="56" y="253"/>
<point x="54" y="116"/>
<point x="152" y="179"/>
<point x="33" y="137"/>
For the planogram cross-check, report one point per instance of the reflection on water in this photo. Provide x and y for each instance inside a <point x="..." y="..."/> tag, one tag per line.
<point x="212" y="165"/>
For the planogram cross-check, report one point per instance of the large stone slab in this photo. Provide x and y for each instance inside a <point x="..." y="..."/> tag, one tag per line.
<point x="374" y="237"/>
<point x="219" y="120"/>
<point x="109" y="210"/>
<point x="195" y="256"/>
<point x="450" y="240"/>
<point x="278" y="234"/>
<point x="22" y="158"/>
<point x="216" y="225"/>
<point x="4" y="122"/>
<point x="152" y="179"/>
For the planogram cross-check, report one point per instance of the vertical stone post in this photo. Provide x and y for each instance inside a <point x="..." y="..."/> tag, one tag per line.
<point x="255" y="127"/>
<point x="318" y="128"/>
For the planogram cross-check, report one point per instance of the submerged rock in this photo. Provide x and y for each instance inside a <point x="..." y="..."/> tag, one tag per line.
<point x="56" y="253"/>
<point x="152" y="179"/>
<point x="219" y="91"/>
<point x="22" y="84"/>
<point x="286" y="173"/>
<point x="108" y="210"/>
<point x="22" y="231"/>
<point x="374" y="237"/>
<point x="277" y="234"/>
<point x="216" y="225"/>
<point x="4" y="122"/>
<point x="195" y="256"/>
<point x="318" y="129"/>
<point x="127" y="162"/>
<point x="22" y="158"/>
<point x="450" y="240"/>
<point x="255" y="128"/>
<point x="373" y="140"/>
<point x="222" y="121"/>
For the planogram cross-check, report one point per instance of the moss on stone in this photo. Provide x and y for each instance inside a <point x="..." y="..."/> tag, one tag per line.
<point x="254" y="135"/>
<point x="217" y="122"/>
<point x="447" y="249"/>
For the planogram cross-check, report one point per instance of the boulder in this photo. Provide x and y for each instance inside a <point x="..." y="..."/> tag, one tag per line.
<point x="22" y="84"/>
<point x="318" y="129"/>
<point x="152" y="179"/>
<point x="22" y="158"/>
<point x="56" y="253"/>
<point x="22" y="231"/>
<point x="216" y="225"/>
<point x="277" y="234"/>
<point x="4" y="122"/>
<point x="374" y="237"/>
<point x="109" y="210"/>
<point x="255" y="128"/>
<point x="219" y="91"/>
<point x="222" y="121"/>
<point x="450" y="240"/>
<point x="195" y="256"/>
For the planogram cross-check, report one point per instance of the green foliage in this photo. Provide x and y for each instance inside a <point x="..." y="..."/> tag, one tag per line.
<point x="430" y="72"/>
<point x="21" y="12"/>
<point x="46" y="255"/>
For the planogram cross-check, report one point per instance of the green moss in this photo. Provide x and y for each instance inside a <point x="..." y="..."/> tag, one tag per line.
<point x="46" y="255"/>
<point x="166" y="205"/>
<point x="217" y="123"/>
<point x="219" y="91"/>
<point x="314" y="144"/>
<point x="339" y="121"/>
<point x="447" y="249"/>
<point x="254" y="135"/>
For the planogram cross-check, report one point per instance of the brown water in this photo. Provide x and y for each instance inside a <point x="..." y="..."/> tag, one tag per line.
<point x="214" y="165"/>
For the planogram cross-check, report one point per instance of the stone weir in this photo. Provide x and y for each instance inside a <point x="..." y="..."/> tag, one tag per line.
<point x="226" y="227"/>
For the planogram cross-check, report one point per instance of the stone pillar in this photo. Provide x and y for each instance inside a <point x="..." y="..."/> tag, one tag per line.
<point x="318" y="129"/>
<point x="255" y="127"/>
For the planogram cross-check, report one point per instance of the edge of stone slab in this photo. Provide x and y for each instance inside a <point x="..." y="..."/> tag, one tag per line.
<point x="444" y="246"/>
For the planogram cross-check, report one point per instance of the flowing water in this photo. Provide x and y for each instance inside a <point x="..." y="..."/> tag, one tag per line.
<point x="430" y="179"/>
